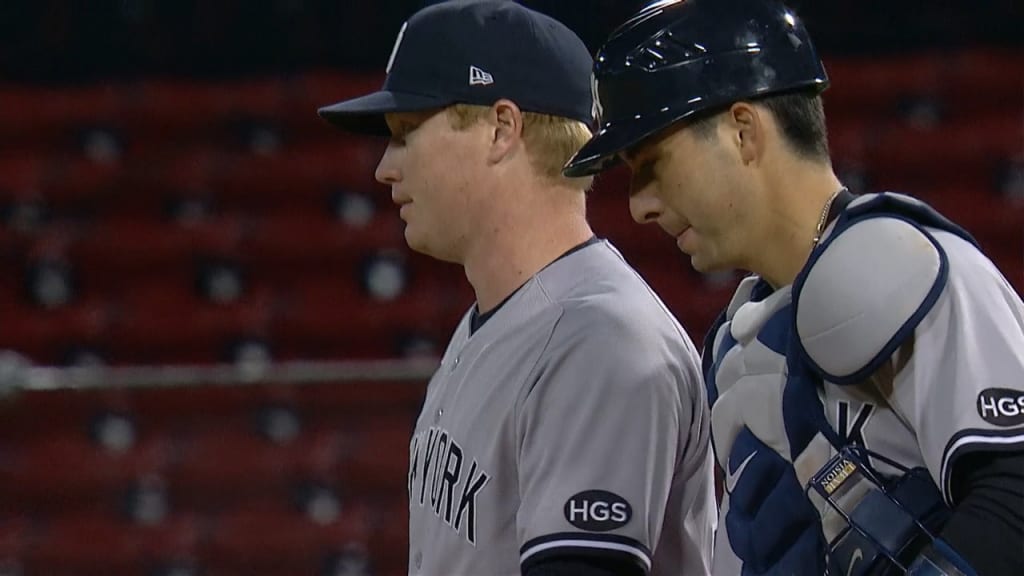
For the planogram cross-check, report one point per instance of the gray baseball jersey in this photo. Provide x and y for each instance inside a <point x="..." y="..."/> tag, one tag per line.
<point x="953" y="386"/>
<point x="573" y="422"/>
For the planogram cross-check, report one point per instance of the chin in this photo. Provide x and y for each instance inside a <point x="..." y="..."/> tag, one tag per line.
<point x="699" y="265"/>
<point x="704" y="265"/>
<point x="433" y="250"/>
<point x="415" y="243"/>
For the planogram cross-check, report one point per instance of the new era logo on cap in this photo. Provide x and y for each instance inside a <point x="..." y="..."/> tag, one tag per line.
<point x="478" y="77"/>
<point x="528" y="57"/>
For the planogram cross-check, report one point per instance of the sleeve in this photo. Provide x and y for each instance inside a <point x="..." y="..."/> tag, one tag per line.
<point x="990" y="492"/>
<point x="580" y="566"/>
<point x="602" y="432"/>
<point x="963" y="385"/>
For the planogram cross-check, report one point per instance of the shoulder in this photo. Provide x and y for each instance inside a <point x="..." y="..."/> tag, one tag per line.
<point x="625" y="350"/>
<point x="864" y="291"/>
<point x="975" y="288"/>
<point x="620" y="306"/>
<point x="602" y="300"/>
<point x="967" y="264"/>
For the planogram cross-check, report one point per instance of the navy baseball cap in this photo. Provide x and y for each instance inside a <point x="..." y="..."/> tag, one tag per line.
<point x="477" y="52"/>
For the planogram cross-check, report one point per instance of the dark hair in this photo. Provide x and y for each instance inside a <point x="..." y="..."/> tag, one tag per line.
<point x="801" y="118"/>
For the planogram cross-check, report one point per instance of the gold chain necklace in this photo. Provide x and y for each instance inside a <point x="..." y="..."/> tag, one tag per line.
<point x="824" y="216"/>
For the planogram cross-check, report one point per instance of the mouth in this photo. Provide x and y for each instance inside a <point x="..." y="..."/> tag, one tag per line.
<point x="403" y="202"/>
<point x="399" y="199"/>
<point x="681" y="238"/>
<point x="677" y="234"/>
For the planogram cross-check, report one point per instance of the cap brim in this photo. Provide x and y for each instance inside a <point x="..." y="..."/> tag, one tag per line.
<point x="365" y="115"/>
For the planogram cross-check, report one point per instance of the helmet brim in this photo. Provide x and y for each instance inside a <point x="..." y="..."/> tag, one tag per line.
<point x="602" y="150"/>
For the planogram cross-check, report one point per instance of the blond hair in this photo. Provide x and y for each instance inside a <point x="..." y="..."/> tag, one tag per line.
<point x="550" y="140"/>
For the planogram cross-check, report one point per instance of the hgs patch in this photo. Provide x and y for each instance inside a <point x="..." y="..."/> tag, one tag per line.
<point x="598" y="511"/>
<point x="1001" y="406"/>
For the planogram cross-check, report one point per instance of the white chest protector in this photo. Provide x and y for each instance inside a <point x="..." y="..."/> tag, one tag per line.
<point x="899" y="338"/>
<point x="866" y="286"/>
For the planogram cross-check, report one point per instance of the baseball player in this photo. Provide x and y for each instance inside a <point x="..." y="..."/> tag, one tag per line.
<point x="566" y="429"/>
<point x="867" y="380"/>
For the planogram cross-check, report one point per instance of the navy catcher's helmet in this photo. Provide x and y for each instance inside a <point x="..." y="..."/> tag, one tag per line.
<point x="677" y="58"/>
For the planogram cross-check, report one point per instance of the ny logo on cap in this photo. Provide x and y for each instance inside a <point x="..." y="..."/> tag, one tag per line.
<point x="394" y="50"/>
<point x="597" y="110"/>
<point x="478" y="77"/>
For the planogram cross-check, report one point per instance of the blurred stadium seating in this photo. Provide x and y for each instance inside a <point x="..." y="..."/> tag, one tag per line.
<point x="153" y="239"/>
<point x="182" y="221"/>
<point x="209" y="480"/>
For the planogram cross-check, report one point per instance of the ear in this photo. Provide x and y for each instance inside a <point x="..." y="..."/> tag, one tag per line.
<point x="507" y="130"/>
<point x="747" y="129"/>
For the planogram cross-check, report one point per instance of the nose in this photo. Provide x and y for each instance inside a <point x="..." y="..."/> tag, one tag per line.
<point x="644" y="205"/>
<point x="387" y="171"/>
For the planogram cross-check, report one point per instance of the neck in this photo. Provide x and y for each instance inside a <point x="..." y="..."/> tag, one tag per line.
<point x="520" y="236"/>
<point x="796" y="200"/>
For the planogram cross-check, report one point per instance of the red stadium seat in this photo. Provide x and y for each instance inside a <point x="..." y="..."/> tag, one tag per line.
<point x="198" y="407"/>
<point x="347" y="406"/>
<point x="850" y="141"/>
<point x="169" y="324"/>
<point x="276" y="540"/>
<point x="45" y="335"/>
<point x="983" y="81"/>
<point x="179" y="169"/>
<point x="67" y="472"/>
<point x="187" y="110"/>
<point x="15" y="534"/>
<point x="79" y="185"/>
<point x="389" y="543"/>
<point x="22" y="175"/>
<point x="300" y="176"/>
<point x="114" y="256"/>
<point x="87" y="545"/>
<point x="968" y="153"/>
<point x="379" y="460"/>
<point x="283" y="250"/>
<point x="66" y="412"/>
<point x="211" y="464"/>
<point x="331" y="317"/>
<point x="865" y="88"/>
<point x="993" y="220"/>
<point x="47" y="118"/>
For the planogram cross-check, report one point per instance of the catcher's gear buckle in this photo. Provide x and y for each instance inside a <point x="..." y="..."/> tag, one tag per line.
<point x="874" y="524"/>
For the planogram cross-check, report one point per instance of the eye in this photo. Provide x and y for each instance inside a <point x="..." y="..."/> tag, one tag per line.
<point x="647" y="167"/>
<point x="643" y="174"/>
<point x="400" y="130"/>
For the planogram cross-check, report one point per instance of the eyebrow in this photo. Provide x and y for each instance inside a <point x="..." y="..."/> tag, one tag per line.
<point x="406" y="124"/>
<point x="400" y="127"/>
<point x="637" y="162"/>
